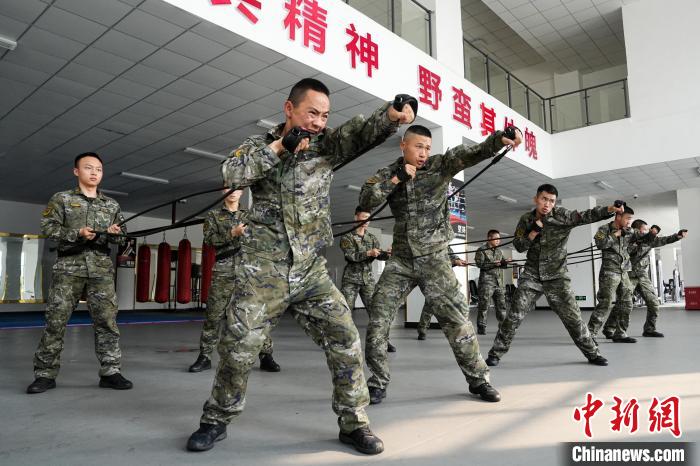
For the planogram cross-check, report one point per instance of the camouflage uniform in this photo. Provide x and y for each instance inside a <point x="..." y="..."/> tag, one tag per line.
<point x="280" y="266"/>
<point x="545" y="272"/>
<point x="639" y="278"/>
<point x="426" y="313"/>
<point x="357" y="276"/>
<point x="81" y="265"/>
<point x="613" y="275"/>
<point x="490" y="283"/>
<point x="217" y="232"/>
<point x="422" y="232"/>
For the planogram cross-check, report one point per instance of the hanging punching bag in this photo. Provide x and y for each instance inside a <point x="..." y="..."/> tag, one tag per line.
<point x="143" y="273"/>
<point x="163" y="273"/>
<point x="184" y="271"/>
<point x="208" y="261"/>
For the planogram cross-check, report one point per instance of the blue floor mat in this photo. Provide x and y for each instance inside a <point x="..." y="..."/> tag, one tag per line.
<point x="9" y="320"/>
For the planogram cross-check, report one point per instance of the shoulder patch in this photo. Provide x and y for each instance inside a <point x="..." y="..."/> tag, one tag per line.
<point x="47" y="211"/>
<point x="238" y="152"/>
<point x="520" y="232"/>
<point x="599" y="235"/>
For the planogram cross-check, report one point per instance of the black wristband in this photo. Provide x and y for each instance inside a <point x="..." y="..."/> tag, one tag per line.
<point x="680" y="232"/>
<point x="510" y="133"/>
<point x="291" y="140"/>
<point x="618" y="203"/>
<point x="657" y="228"/>
<point x="535" y="227"/>
<point x="402" y="99"/>
<point x="401" y="173"/>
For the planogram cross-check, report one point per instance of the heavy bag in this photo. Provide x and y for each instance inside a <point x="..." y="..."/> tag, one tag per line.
<point x="163" y="273"/>
<point x="184" y="271"/>
<point x="143" y="273"/>
<point x="208" y="261"/>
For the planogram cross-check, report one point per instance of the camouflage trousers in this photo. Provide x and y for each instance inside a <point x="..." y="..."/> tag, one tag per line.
<point x="562" y="301"/>
<point x="264" y="290"/>
<point x="434" y="276"/>
<point x="351" y="290"/>
<point x="490" y="288"/>
<point x="648" y="292"/>
<point x="608" y="285"/>
<point x="64" y="294"/>
<point x="220" y="293"/>
<point x="426" y="315"/>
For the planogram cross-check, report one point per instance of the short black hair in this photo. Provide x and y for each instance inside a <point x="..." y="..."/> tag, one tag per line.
<point x="86" y="154"/>
<point x="420" y="130"/>
<point x="628" y="210"/>
<point x="296" y="95"/>
<point x="547" y="188"/>
<point x="637" y="224"/>
<point x="359" y="209"/>
<point x="492" y="233"/>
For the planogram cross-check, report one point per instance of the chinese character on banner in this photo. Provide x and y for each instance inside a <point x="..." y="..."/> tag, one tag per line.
<point x="243" y="7"/>
<point x="429" y="83"/>
<point x="626" y="415"/>
<point x="665" y="415"/>
<point x="507" y="122"/>
<point x="364" y="47"/>
<point x="587" y="411"/>
<point x="488" y="120"/>
<point x="530" y="144"/>
<point x="463" y="107"/>
<point x="314" y="25"/>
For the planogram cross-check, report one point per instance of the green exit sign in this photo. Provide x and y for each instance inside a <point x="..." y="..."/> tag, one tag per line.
<point x="580" y="298"/>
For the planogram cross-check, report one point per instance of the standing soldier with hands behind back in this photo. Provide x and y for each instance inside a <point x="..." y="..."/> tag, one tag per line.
<point x="489" y="258"/>
<point x="77" y="220"/>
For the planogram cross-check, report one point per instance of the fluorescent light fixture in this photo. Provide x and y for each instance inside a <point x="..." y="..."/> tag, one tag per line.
<point x="352" y="187"/>
<point x="204" y="153"/>
<point x="469" y="227"/>
<point x="136" y="176"/>
<point x="507" y="199"/>
<point x="8" y="44"/>
<point x="267" y="124"/>
<point x="114" y="193"/>
<point x="603" y="185"/>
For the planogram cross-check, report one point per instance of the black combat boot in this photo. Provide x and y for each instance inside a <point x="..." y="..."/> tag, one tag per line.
<point x="40" y="385"/>
<point x="481" y="329"/>
<point x="492" y="361"/>
<point x="421" y="335"/>
<point x="376" y="395"/>
<point x="390" y="348"/>
<point x="115" y="381"/>
<point x="202" y="363"/>
<point x="599" y="361"/>
<point x="653" y="334"/>
<point x="363" y="440"/>
<point x="205" y="437"/>
<point x="268" y="364"/>
<point x="624" y="339"/>
<point x="486" y="392"/>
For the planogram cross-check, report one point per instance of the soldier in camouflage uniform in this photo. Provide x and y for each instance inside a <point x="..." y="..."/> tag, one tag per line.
<point x="280" y="266"/>
<point x="360" y="249"/>
<point x="416" y="188"/>
<point x="614" y="239"/>
<point x="426" y="313"/>
<point x="73" y="219"/>
<point x="489" y="258"/>
<point x="639" y="279"/>
<point x="222" y="229"/>
<point x="543" y="233"/>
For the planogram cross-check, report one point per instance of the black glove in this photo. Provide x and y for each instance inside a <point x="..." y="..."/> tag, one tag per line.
<point x="534" y="227"/>
<point x="383" y="255"/>
<point x="657" y="228"/>
<point x="680" y="232"/>
<point x="619" y="203"/>
<point x="504" y="264"/>
<point x="291" y="140"/>
<point x="402" y="99"/>
<point x="401" y="173"/>
<point x="510" y="132"/>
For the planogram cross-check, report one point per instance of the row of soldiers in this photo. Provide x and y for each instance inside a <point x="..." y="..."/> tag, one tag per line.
<point x="270" y="261"/>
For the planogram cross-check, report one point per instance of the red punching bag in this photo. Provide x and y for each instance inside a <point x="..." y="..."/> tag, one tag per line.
<point x="184" y="271"/>
<point x="143" y="273"/>
<point x="163" y="273"/>
<point x="208" y="261"/>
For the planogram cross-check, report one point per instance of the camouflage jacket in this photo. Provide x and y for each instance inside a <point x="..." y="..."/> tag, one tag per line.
<point x="486" y="258"/>
<point x="546" y="254"/>
<point x="419" y="206"/>
<point x="639" y="253"/>
<point x="291" y="203"/>
<point x="358" y="268"/>
<point x="69" y="211"/>
<point x="217" y="233"/>
<point x="616" y="256"/>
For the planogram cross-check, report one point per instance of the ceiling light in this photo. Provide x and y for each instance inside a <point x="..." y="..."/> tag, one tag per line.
<point x="114" y="193"/>
<point x="267" y="124"/>
<point x="352" y="187"/>
<point x="604" y="185"/>
<point x="507" y="199"/>
<point x="469" y="227"/>
<point x="8" y="44"/>
<point x="136" y="176"/>
<point x="204" y="153"/>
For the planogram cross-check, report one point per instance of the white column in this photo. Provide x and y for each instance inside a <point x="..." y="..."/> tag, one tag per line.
<point x="447" y="34"/>
<point x="688" y="202"/>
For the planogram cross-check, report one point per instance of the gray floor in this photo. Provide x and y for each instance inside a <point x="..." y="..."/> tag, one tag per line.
<point x="428" y="418"/>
